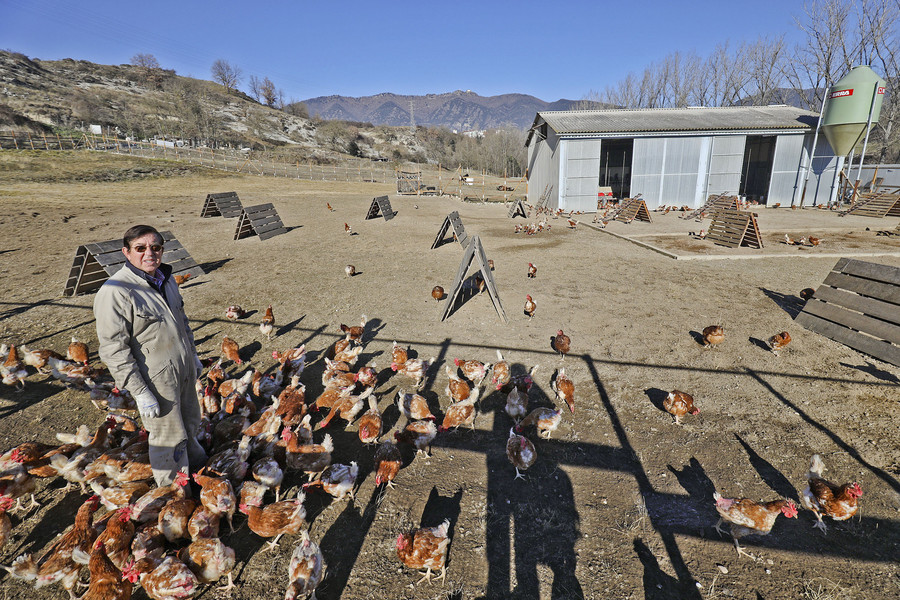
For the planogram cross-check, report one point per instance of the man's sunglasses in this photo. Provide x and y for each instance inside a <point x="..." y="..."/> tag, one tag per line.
<point x="156" y="248"/>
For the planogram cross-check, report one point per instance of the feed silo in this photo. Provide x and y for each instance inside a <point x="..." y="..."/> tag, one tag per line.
<point x="847" y="111"/>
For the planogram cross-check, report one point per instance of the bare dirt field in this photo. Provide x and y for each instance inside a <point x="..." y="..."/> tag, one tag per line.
<point x="619" y="504"/>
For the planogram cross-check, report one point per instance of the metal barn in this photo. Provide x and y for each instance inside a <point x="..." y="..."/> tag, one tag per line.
<point x="679" y="156"/>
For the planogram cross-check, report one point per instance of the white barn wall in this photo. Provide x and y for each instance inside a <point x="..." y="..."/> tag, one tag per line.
<point x="543" y="168"/>
<point x="725" y="163"/>
<point x="667" y="170"/>
<point x="580" y="175"/>
<point x="786" y="179"/>
<point x="646" y="168"/>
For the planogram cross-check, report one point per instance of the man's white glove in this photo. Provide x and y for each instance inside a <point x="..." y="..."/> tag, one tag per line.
<point x="198" y="365"/>
<point x="147" y="405"/>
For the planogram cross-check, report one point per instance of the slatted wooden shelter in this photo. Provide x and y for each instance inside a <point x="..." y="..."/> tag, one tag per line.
<point x="713" y="202"/>
<point x="876" y="204"/>
<point x="451" y="221"/>
<point x="261" y="220"/>
<point x="474" y="254"/>
<point x="734" y="228"/>
<point x="222" y="204"/>
<point x="631" y="209"/>
<point x="858" y="305"/>
<point x="96" y="262"/>
<point x="381" y="205"/>
<point x="517" y="209"/>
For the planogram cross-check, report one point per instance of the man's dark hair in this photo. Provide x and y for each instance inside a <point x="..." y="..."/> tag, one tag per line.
<point x="139" y="231"/>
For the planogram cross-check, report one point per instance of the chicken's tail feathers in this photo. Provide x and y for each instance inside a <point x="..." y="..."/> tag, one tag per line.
<point x="24" y="567"/>
<point x="473" y="395"/>
<point x="816" y="467"/>
<point x="443" y="528"/>
<point x="499" y="356"/>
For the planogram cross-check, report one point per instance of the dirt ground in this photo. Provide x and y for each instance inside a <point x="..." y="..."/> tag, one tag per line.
<point x="619" y="502"/>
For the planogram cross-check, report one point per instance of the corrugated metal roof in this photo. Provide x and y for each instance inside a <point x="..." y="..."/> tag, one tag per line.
<point x="732" y="118"/>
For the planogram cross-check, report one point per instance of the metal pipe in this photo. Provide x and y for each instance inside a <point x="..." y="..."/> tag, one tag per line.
<point x="868" y="130"/>
<point x="812" y="152"/>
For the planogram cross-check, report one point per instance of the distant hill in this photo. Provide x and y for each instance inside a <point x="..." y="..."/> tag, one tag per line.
<point x="463" y="111"/>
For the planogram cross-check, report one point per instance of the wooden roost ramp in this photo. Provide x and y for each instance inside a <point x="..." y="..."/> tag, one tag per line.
<point x="517" y="209"/>
<point x="459" y="232"/>
<point x="633" y="208"/>
<point x="714" y="202"/>
<point x="97" y="262"/>
<point x="223" y="204"/>
<point x="474" y="253"/>
<point x="878" y="205"/>
<point x="381" y="205"/>
<point x="261" y="220"/>
<point x="734" y="228"/>
<point x="858" y="305"/>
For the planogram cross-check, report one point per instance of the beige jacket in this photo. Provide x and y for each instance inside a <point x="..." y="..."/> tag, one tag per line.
<point x="140" y="334"/>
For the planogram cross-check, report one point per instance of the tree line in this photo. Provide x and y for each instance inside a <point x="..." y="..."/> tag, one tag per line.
<point x="838" y="35"/>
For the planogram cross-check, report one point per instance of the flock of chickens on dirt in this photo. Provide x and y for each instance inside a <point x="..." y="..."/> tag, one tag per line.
<point x="166" y="539"/>
<point x="256" y="427"/>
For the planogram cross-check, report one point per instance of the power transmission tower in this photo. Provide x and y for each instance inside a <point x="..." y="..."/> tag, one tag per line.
<point x="412" y="118"/>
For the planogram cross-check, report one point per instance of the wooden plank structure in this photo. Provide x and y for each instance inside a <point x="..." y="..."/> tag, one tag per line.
<point x="95" y="263"/>
<point x="382" y="205"/>
<point x="631" y="209"/>
<point x="876" y="204"/>
<point x="517" y="209"/>
<point x="858" y="305"/>
<point x="261" y="220"/>
<point x="713" y="202"/>
<point x="545" y="197"/>
<point x="459" y="232"/>
<point x="474" y="253"/>
<point x="734" y="228"/>
<point x="222" y="204"/>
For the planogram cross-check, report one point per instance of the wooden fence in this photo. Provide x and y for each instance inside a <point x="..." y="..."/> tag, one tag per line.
<point x="442" y="181"/>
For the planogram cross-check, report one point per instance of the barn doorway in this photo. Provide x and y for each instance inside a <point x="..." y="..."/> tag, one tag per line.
<point x="759" y="155"/>
<point x="615" y="166"/>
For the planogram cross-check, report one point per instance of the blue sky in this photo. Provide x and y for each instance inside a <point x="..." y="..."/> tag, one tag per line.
<point x="551" y="50"/>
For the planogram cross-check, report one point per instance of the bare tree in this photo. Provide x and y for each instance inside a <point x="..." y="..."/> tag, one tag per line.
<point x="268" y="92"/>
<point x="226" y="74"/>
<point x="149" y="69"/>
<point x="827" y="52"/>
<point x="255" y="84"/>
<point x="881" y="20"/>
<point x="764" y="60"/>
<point x="145" y="61"/>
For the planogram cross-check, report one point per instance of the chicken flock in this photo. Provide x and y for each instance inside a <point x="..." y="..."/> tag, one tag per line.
<point x="260" y="430"/>
<point x="262" y="435"/>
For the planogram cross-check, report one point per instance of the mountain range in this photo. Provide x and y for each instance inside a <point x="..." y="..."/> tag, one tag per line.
<point x="459" y="110"/>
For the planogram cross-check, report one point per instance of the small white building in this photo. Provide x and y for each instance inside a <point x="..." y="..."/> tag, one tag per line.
<point x="679" y="156"/>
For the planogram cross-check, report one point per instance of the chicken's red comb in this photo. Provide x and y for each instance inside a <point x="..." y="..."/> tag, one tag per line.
<point x="5" y="502"/>
<point x="17" y="455"/>
<point x="856" y="490"/>
<point x="94" y="498"/>
<point x="790" y="510"/>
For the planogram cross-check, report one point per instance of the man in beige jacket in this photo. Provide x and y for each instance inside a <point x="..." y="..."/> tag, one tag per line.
<point x="147" y="343"/>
